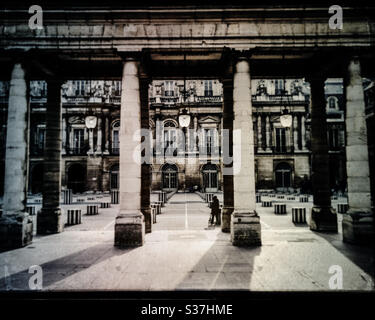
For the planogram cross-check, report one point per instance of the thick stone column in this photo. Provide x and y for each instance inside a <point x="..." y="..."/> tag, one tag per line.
<point x="323" y="216"/>
<point x="227" y="150"/>
<point x="245" y="224"/>
<point x="146" y="166"/>
<point x="16" y="228"/>
<point x="50" y="217"/>
<point x="130" y="225"/>
<point x="358" y="223"/>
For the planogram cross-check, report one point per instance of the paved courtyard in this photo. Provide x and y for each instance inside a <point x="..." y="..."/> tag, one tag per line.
<point x="182" y="253"/>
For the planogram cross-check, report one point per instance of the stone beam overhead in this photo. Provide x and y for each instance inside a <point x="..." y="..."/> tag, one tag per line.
<point x="237" y="28"/>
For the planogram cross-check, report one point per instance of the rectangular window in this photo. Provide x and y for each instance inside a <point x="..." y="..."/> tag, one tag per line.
<point x="208" y="92"/>
<point x="78" y="140"/>
<point x="280" y="140"/>
<point x="279" y="87"/>
<point x="170" y="141"/>
<point x="169" y="88"/>
<point x="333" y="138"/>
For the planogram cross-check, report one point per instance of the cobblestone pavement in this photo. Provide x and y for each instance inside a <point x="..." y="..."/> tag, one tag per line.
<point x="183" y="253"/>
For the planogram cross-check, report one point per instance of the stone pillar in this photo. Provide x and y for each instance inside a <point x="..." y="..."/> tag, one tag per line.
<point x="259" y="126"/>
<point x="91" y="141"/>
<point x="323" y="216"/>
<point x="146" y="166"/>
<point x="50" y="217"/>
<point x="268" y="134"/>
<point x="130" y="225"/>
<point x="99" y="137"/>
<point x="195" y="133"/>
<point x="245" y="224"/>
<point x="106" y="135"/>
<point x="358" y="223"/>
<point x="303" y="133"/>
<point x="227" y="149"/>
<point x="64" y="135"/>
<point x="16" y="228"/>
<point x="295" y="133"/>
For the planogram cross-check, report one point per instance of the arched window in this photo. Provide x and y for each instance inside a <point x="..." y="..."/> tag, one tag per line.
<point x="210" y="177"/>
<point x="170" y="137"/>
<point x="283" y="175"/>
<point x="169" y="176"/>
<point x="332" y="103"/>
<point x="115" y="148"/>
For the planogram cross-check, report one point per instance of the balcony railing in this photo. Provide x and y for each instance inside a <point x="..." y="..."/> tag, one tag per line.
<point x="78" y="151"/>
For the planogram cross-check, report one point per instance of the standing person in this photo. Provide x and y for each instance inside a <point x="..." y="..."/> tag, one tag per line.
<point x="215" y="210"/>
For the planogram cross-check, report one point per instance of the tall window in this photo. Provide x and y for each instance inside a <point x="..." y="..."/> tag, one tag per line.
<point x="280" y="140"/>
<point x="170" y="138"/>
<point x="40" y="138"/>
<point x="332" y="103"/>
<point x="208" y="92"/>
<point x="78" y="140"/>
<point x="333" y="138"/>
<point x="115" y="176"/>
<point x="279" y="87"/>
<point x="169" y="88"/>
<point x="116" y="137"/>
<point x="80" y="87"/>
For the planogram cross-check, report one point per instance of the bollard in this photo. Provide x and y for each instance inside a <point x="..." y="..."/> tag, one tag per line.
<point x="68" y="196"/>
<point x="92" y="210"/>
<point x="280" y="208"/>
<point x="74" y="217"/>
<point x="258" y="198"/>
<point x="299" y="215"/>
<point x="266" y="204"/>
<point x="105" y="205"/>
<point x="114" y="196"/>
<point x="342" y="207"/>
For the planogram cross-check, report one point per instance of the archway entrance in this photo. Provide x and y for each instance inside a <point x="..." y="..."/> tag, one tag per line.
<point x="210" y="178"/>
<point x="36" y="181"/>
<point x="169" y="177"/>
<point x="76" y="178"/>
<point x="283" y="176"/>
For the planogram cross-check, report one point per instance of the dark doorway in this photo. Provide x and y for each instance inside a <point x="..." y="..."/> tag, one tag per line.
<point x="36" y="181"/>
<point x="76" y="178"/>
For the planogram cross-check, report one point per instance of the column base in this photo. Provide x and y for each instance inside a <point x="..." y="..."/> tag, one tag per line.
<point x="245" y="229"/>
<point x="147" y="218"/>
<point x="323" y="219"/>
<point x="16" y="231"/>
<point x="129" y="230"/>
<point x="226" y="219"/>
<point x="358" y="228"/>
<point x="49" y="221"/>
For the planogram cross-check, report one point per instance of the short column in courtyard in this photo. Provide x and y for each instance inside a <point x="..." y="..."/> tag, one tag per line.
<point x="358" y="223"/>
<point x="50" y="216"/>
<point x="245" y="222"/>
<point x="130" y="225"/>
<point x="16" y="228"/>
<point x="323" y="216"/>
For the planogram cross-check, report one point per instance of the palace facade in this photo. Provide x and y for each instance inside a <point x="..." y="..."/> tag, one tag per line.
<point x="90" y="154"/>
